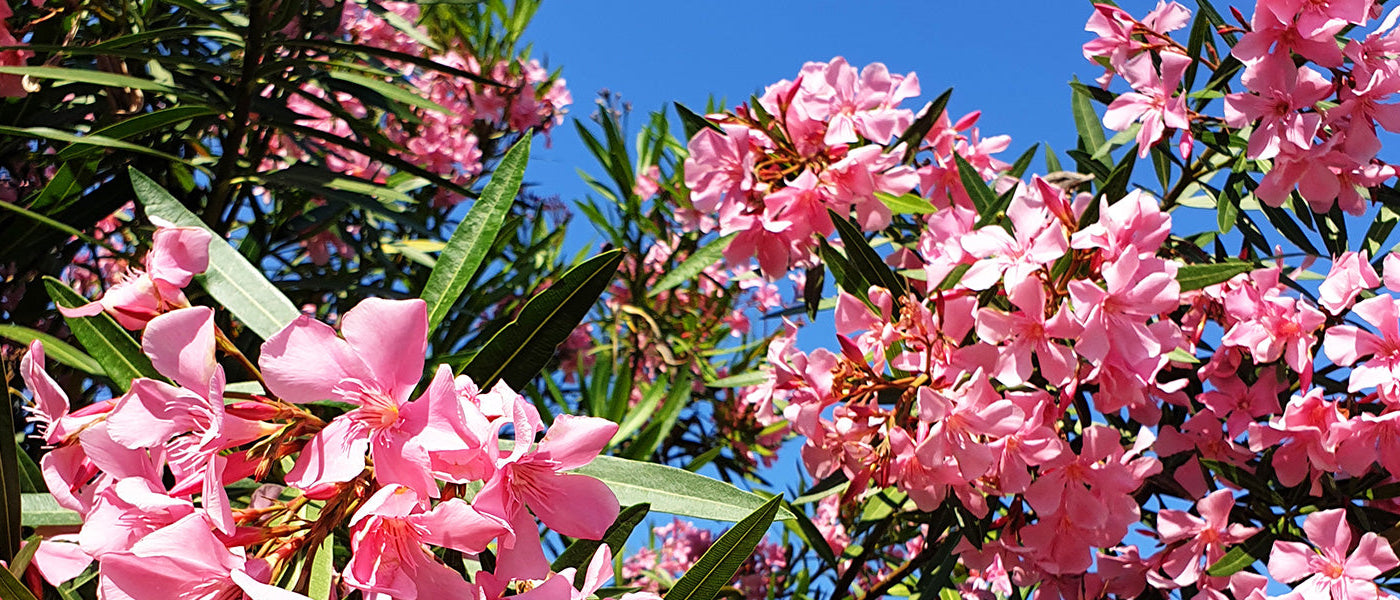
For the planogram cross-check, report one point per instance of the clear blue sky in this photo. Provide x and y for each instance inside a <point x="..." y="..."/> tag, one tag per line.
<point x="1010" y="60"/>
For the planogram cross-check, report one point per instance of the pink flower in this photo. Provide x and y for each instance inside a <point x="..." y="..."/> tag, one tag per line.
<point x="388" y="536"/>
<point x="177" y="255"/>
<point x="375" y="367"/>
<point x="1153" y="102"/>
<point x="1350" y="274"/>
<point x="720" y="166"/>
<point x="1333" y="569"/>
<point x="1195" y="543"/>
<point x="573" y="505"/>
<point x="188" y="422"/>
<point x="1346" y="344"/>
<point x="1283" y="93"/>
<point x="185" y="560"/>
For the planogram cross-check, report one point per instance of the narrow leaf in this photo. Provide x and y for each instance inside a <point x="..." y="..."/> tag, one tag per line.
<point x="1195" y="277"/>
<point x="864" y="258"/>
<point x="1234" y="561"/>
<point x="42" y="510"/>
<point x="59" y="350"/>
<point x="740" y="380"/>
<point x="719" y="564"/>
<point x="106" y="342"/>
<point x="11" y="588"/>
<point x="694" y="122"/>
<point x="471" y="241"/>
<point x="1086" y="120"/>
<point x="908" y="204"/>
<point x="9" y="476"/>
<point x="698" y="261"/>
<point x="982" y="196"/>
<point x="673" y="491"/>
<point x="520" y="349"/>
<point x="231" y="279"/>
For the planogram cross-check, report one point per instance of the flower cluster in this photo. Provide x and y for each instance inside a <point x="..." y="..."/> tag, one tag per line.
<point x="446" y="139"/>
<point x="1311" y="105"/>
<point x="149" y="470"/>
<point x="681" y="543"/>
<point x="769" y="171"/>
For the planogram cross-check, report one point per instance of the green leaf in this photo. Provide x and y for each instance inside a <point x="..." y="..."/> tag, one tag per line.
<point x="864" y="258"/>
<point x="42" y="510"/>
<point x="847" y="277"/>
<point x="580" y="552"/>
<point x="718" y="565"/>
<point x="908" y="204"/>
<point x="1234" y="561"/>
<point x="137" y="125"/>
<point x="11" y="588"/>
<point x="918" y="130"/>
<point x="25" y="555"/>
<point x="87" y="140"/>
<point x="231" y="279"/>
<point x="102" y="78"/>
<point x="59" y="350"/>
<point x="471" y="241"/>
<point x="673" y="491"/>
<point x="740" y="380"/>
<point x="1195" y="277"/>
<point x="10" y="505"/>
<point x="106" y="342"/>
<point x="520" y="349"/>
<point x="982" y="197"/>
<point x="322" y="571"/>
<point x="689" y="268"/>
<point x="1086" y="120"/>
<point x="395" y="92"/>
<point x="694" y="122"/>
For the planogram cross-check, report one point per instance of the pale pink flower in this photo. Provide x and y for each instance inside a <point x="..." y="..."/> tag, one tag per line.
<point x="1350" y="274"/>
<point x="388" y="537"/>
<point x="185" y="560"/>
<point x="177" y="254"/>
<point x="375" y="367"/>
<point x="1154" y="101"/>
<point x="1332" y="568"/>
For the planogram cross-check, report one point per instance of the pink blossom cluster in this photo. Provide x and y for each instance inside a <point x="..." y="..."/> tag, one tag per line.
<point x="1312" y="102"/>
<point x="447" y="142"/>
<point x="965" y="390"/>
<point x="148" y="470"/>
<point x="768" y="172"/>
<point x="681" y="544"/>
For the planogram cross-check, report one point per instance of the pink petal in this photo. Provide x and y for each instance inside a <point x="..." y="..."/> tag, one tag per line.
<point x="1288" y="561"/>
<point x="178" y="253"/>
<point x="455" y="524"/>
<point x="391" y="337"/>
<point x="574" y="505"/>
<point x="181" y="345"/>
<point x="1328" y="529"/>
<point x="152" y="413"/>
<point x="258" y="590"/>
<point x="574" y="441"/>
<point x="335" y="455"/>
<point x="59" y="559"/>
<point x="1372" y="557"/>
<point x="306" y="361"/>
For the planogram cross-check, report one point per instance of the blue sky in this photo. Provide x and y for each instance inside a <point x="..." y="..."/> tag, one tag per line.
<point x="1010" y="60"/>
